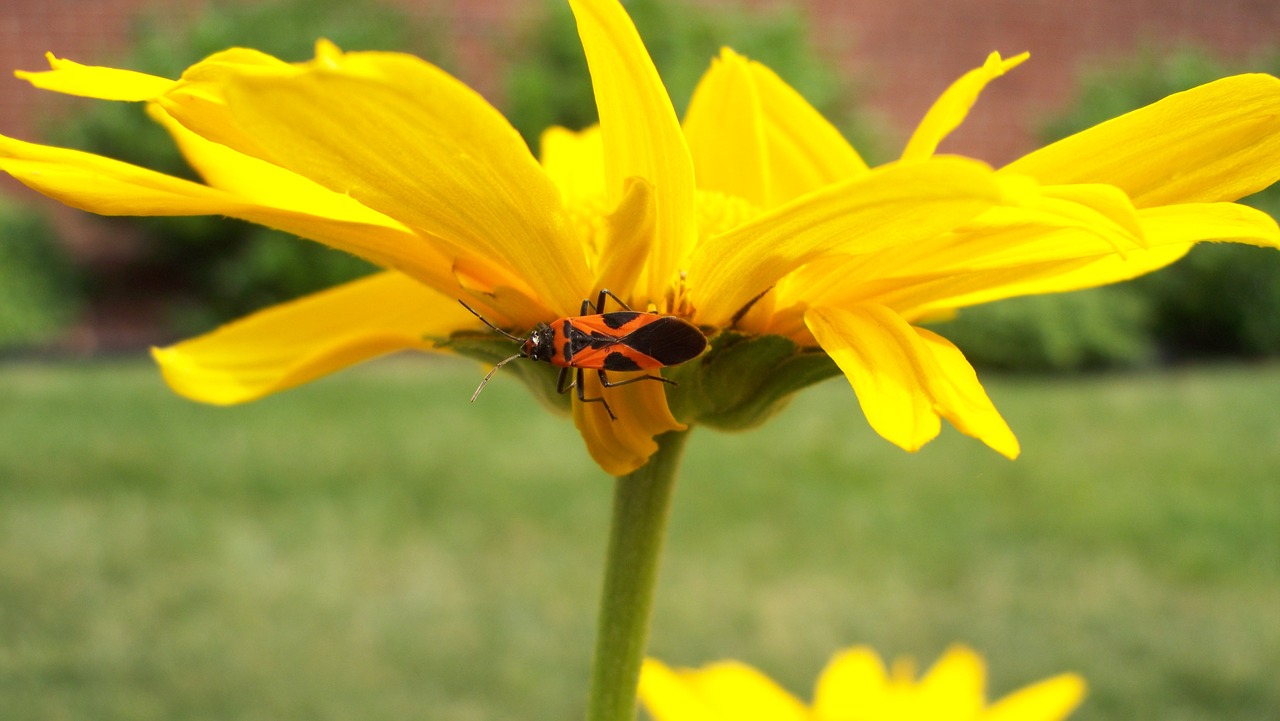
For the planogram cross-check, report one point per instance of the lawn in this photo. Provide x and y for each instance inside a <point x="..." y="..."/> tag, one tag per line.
<point x="374" y="547"/>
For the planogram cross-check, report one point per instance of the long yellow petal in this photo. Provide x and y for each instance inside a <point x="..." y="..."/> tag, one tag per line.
<point x="907" y="379"/>
<point x="292" y="343"/>
<point x="950" y="109"/>
<point x="1219" y="141"/>
<point x="642" y="137"/>
<point x="72" y="78"/>
<point x="1049" y="267"/>
<point x="407" y="140"/>
<point x="892" y="205"/>
<point x="724" y="127"/>
<point x="575" y="163"/>
<point x="754" y="136"/>
<point x="806" y="152"/>
<point x="111" y="187"/>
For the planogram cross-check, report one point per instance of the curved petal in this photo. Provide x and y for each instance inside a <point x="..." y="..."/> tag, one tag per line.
<point x="621" y="446"/>
<point x="724" y="127"/>
<point x="111" y="187"/>
<point x="907" y="379"/>
<point x="1052" y="699"/>
<point x="89" y="81"/>
<point x="642" y="137"/>
<point x="667" y="696"/>
<point x="753" y="136"/>
<point x="892" y="205"/>
<point x="955" y="686"/>
<point x="855" y="681"/>
<point x="1219" y="141"/>
<point x="628" y="235"/>
<point x="293" y="343"/>
<point x="1171" y="231"/>
<point x="405" y="139"/>
<point x="805" y="151"/>
<point x="737" y="691"/>
<point x="950" y="109"/>
<point x="575" y="163"/>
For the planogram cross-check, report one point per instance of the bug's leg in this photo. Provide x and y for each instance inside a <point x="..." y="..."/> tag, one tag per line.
<point x="582" y="394"/>
<point x="616" y="299"/>
<point x="604" y="380"/>
<point x="560" y="385"/>
<point x="586" y="306"/>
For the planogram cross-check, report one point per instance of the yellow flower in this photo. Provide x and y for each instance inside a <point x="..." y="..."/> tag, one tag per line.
<point x="855" y="686"/>
<point x="753" y="219"/>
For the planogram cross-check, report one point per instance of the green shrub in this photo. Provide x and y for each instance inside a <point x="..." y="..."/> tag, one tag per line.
<point x="1090" y="329"/>
<point x="223" y="268"/>
<point x="548" y="83"/>
<point x="1221" y="299"/>
<point x="39" y="294"/>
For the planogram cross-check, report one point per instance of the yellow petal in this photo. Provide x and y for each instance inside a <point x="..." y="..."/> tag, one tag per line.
<point x="1195" y="222"/>
<point x="1052" y="267"/>
<point x="950" y="109"/>
<point x="668" y="696"/>
<point x="805" y="151"/>
<point x="961" y="399"/>
<point x="575" y="163"/>
<point x="72" y="78"/>
<point x="896" y="204"/>
<point x="907" y="379"/>
<point x="110" y="187"/>
<point x="853" y="683"/>
<point x="642" y="137"/>
<point x="621" y="446"/>
<point x="737" y="691"/>
<point x="1050" y="700"/>
<point x="407" y="140"/>
<point x="105" y="186"/>
<point x="955" y="686"/>
<point x="290" y="344"/>
<point x="1219" y="141"/>
<point x="724" y="127"/>
<point x="753" y="136"/>
<point x="628" y="236"/>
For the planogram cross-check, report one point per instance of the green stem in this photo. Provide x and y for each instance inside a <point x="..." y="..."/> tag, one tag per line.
<point x="641" y="502"/>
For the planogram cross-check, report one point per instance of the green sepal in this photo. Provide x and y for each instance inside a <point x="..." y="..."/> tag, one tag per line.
<point x="540" y="378"/>
<point x="741" y="381"/>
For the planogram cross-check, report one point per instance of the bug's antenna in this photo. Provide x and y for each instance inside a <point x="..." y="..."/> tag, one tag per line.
<point x="503" y="332"/>
<point x="489" y="375"/>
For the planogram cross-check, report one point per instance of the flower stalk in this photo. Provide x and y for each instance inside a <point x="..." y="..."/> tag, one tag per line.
<point x="641" y="506"/>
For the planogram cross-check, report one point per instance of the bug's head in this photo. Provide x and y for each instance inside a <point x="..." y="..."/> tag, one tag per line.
<point x="540" y="345"/>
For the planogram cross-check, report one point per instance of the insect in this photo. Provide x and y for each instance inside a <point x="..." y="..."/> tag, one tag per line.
<point x="621" y="340"/>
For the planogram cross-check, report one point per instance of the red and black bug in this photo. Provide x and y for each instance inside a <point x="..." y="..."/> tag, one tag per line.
<point x="622" y="340"/>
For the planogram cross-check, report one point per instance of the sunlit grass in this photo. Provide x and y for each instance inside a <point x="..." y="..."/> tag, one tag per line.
<point x="375" y="547"/>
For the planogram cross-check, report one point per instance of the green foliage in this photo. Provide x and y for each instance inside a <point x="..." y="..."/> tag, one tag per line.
<point x="225" y="268"/>
<point x="1097" y="328"/>
<point x="549" y="83"/>
<point x="39" y="293"/>
<point x="1221" y="299"/>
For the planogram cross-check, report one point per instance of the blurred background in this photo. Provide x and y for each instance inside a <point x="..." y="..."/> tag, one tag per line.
<point x="369" y="546"/>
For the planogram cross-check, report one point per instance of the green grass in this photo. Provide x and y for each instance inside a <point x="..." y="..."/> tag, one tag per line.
<point x="374" y="547"/>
